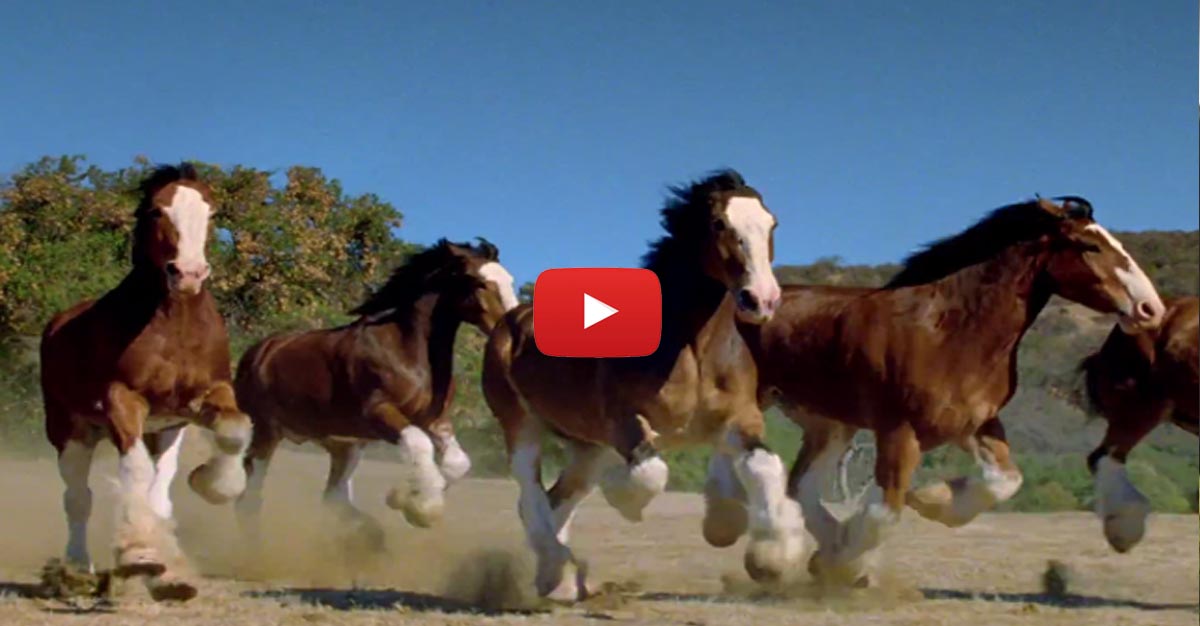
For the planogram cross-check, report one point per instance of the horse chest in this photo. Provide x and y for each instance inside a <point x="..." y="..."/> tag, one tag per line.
<point x="696" y="398"/>
<point x="170" y="382"/>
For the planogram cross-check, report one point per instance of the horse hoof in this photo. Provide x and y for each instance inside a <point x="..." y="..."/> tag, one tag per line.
<point x="770" y="560"/>
<point x="134" y="563"/>
<point x="421" y="513"/>
<point x="830" y="573"/>
<point x="218" y="486"/>
<point x="724" y="523"/>
<point x="1123" y="532"/>
<point x="168" y="590"/>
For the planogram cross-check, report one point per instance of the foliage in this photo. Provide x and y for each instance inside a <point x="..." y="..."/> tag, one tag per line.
<point x="286" y="255"/>
<point x="292" y="250"/>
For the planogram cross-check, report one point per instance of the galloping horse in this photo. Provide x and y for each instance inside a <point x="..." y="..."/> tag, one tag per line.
<point x="137" y="365"/>
<point x="930" y="359"/>
<point x="1138" y="380"/>
<point x="713" y="265"/>
<point x="388" y="376"/>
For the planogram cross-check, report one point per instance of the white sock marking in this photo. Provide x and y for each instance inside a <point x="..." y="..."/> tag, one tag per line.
<point x="164" y="473"/>
<point x="74" y="465"/>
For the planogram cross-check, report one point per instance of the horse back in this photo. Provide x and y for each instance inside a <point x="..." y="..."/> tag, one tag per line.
<point x="322" y="383"/>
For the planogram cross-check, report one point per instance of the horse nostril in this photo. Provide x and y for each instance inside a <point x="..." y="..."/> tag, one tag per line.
<point x="1145" y="310"/>
<point x="747" y="301"/>
<point x="172" y="269"/>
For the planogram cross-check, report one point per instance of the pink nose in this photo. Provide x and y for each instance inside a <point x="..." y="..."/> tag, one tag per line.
<point x="191" y="271"/>
<point x="751" y="303"/>
<point x="1147" y="311"/>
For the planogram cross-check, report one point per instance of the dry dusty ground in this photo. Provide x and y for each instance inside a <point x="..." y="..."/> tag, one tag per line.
<point x="658" y="572"/>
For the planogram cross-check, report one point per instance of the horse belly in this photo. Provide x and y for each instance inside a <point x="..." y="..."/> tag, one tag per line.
<point x="156" y="424"/>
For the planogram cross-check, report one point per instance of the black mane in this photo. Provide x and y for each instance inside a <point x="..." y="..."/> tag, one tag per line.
<point x="989" y="236"/>
<point x="159" y="177"/>
<point x="421" y="273"/>
<point x="686" y="217"/>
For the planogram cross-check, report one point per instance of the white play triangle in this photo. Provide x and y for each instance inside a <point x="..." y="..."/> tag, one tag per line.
<point x="595" y="311"/>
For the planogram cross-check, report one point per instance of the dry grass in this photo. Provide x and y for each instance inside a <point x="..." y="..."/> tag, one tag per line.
<point x="474" y="569"/>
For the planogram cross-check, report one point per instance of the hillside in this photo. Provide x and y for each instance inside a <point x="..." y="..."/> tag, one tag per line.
<point x="299" y="253"/>
<point x="1048" y="431"/>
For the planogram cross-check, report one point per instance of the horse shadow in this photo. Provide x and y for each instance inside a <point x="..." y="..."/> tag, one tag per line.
<point x="1062" y="601"/>
<point x="64" y="606"/>
<point x="383" y="600"/>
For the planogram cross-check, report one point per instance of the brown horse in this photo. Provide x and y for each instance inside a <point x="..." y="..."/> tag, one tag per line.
<point x="1136" y="381"/>
<point x="931" y="359"/>
<point x="714" y="264"/>
<point x="387" y="376"/>
<point x="137" y="365"/>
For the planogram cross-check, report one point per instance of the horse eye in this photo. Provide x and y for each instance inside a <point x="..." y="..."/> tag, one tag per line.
<point x="718" y="225"/>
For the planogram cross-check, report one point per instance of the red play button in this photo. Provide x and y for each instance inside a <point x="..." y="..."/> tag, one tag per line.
<point x="597" y="312"/>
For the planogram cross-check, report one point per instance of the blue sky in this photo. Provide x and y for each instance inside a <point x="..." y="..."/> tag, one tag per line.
<point x="553" y="127"/>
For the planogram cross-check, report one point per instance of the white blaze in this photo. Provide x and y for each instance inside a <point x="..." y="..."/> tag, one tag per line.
<point x="1137" y="285"/>
<point x="189" y="214"/>
<point x="752" y="223"/>
<point x="499" y="276"/>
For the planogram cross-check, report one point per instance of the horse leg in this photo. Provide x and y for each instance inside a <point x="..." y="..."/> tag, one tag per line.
<point x="139" y="528"/>
<point x="420" y="493"/>
<point x="339" y="486"/>
<point x="74" y="465"/>
<point x="1121" y="507"/>
<point x="145" y="545"/>
<point x="453" y="461"/>
<point x="164" y="451"/>
<point x="344" y="458"/>
<point x="223" y="477"/>
<point x="775" y="526"/>
<point x="248" y="506"/>
<point x="859" y="537"/>
<point x="817" y="464"/>
<point x="958" y="501"/>
<point x="523" y="437"/>
<point x="629" y="487"/>
<point x="725" y="517"/>
<point x="573" y="486"/>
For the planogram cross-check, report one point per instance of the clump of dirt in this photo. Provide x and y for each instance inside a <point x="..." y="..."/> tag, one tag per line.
<point x="493" y="580"/>
<point x="60" y="580"/>
<point x="1056" y="580"/>
<point x="886" y="590"/>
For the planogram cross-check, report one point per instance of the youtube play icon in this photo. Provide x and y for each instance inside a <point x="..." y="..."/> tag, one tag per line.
<point x="597" y="312"/>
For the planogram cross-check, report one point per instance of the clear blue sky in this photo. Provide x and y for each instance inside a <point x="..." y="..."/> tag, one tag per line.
<point x="552" y="127"/>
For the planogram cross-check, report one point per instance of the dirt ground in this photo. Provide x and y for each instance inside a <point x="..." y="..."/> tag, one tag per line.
<point x="656" y="572"/>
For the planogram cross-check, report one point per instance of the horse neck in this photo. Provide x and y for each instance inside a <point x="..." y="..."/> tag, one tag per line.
<point x="427" y="335"/>
<point x="144" y="297"/>
<point x="692" y="303"/>
<point x="1001" y="297"/>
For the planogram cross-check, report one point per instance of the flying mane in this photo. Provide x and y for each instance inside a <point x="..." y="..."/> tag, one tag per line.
<point x="989" y="236"/>
<point x="686" y="216"/>
<point x="159" y="177"/>
<point x="420" y="273"/>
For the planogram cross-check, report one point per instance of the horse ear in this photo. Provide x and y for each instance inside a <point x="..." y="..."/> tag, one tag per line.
<point x="1076" y="208"/>
<point x="488" y="249"/>
<point x="187" y="171"/>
